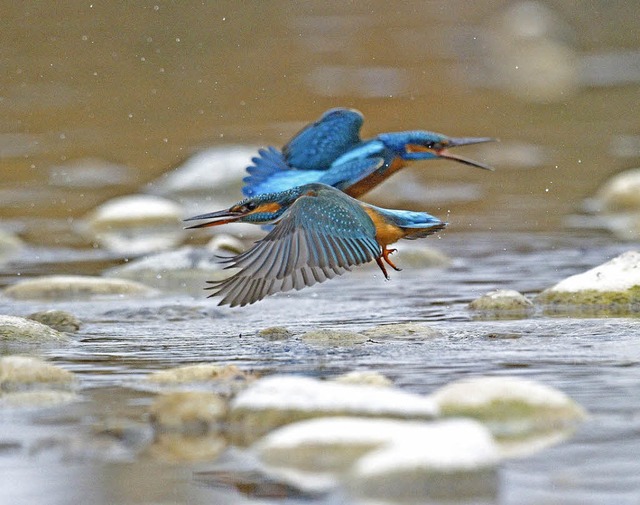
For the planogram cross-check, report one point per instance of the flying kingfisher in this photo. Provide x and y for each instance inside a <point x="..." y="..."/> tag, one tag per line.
<point x="319" y="232"/>
<point x="330" y="151"/>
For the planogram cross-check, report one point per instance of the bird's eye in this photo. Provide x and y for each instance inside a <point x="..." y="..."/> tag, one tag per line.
<point x="249" y="206"/>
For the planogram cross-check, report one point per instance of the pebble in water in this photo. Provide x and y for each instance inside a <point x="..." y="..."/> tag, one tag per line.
<point x="74" y="287"/>
<point x="502" y="303"/>
<point x="136" y="224"/>
<point x="402" y="331"/>
<point x="364" y="378"/>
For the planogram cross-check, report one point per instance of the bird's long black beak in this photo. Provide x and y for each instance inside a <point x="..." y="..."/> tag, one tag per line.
<point x="215" y="218"/>
<point x="464" y="141"/>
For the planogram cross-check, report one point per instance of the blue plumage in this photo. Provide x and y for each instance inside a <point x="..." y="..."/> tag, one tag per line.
<point x="331" y="151"/>
<point x="319" y="232"/>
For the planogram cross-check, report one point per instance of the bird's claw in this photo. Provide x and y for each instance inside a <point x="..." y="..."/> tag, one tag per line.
<point x="385" y="255"/>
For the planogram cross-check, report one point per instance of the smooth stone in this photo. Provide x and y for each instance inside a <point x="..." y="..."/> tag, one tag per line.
<point x="209" y="180"/>
<point x="621" y="193"/>
<point x="37" y="399"/>
<point x="402" y="331"/>
<point x="185" y="268"/>
<point x="275" y="333"/>
<point x="189" y="412"/>
<point x="278" y="400"/>
<point x="613" y="285"/>
<point x="509" y="406"/>
<point x="502" y="303"/>
<point x="74" y="287"/>
<point x="22" y="330"/>
<point x="333" y="338"/>
<point x="364" y="378"/>
<point x="451" y="460"/>
<point x="59" y="320"/>
<point x="26" y="372"/>
<point x="137" y="224"/>
<point x="203" y="372"/>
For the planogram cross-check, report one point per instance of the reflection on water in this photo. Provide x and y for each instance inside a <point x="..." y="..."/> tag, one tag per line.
<point x="132" y="90"/>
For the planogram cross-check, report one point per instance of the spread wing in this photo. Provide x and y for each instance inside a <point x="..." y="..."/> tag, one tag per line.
<point x="318" y="238"/>
<point x="317" y="145"/>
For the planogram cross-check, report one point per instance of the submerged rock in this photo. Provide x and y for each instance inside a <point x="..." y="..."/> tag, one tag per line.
<point x="21" y="330"/>
<point x="70" y="287"/>
<point x="509" y="406"/>
<point x="137" y="224"/>
<point x="402" y="331"/>
<point x="190" y="412"/>
<point x="614" y="286"/>
<point x="275" y="333"/>
<point x="333" y="338"/>
<point x="502" y="303"/>
<point x="59" y="320"/>
<point x="25" y="372"/>
<point x="278" y="400"/>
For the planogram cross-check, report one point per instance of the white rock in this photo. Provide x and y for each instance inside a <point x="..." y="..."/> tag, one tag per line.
<point x="213" y="175"/>
<point x="278" y="400"/>
<point x="67" y="287"/>
<point x="619" y="274"/>
<point x="137" y="224"/>
<point x="510" y="406"/>
<point x="502" y="300"/>
<point x="22" y="330"/>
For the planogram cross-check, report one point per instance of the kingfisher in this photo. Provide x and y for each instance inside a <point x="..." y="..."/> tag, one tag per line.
<point x="318" y="232"/>
<point x="330" y="151"/>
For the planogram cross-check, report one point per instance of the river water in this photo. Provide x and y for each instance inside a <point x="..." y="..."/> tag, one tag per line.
<point x="146" y="85"/>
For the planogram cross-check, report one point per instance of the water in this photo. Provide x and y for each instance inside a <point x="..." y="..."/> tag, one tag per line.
<point x="146" y="93"/>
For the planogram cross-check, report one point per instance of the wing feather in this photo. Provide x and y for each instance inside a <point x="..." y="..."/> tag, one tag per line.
<point x="318" y="238"/>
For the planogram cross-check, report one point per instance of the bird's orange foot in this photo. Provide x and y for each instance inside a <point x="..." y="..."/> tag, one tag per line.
<point x="385" y="254"/>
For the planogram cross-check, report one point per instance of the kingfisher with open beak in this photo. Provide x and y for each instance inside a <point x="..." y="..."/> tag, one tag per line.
<point x="330" y="151"/>
<point x="318" y="232"/>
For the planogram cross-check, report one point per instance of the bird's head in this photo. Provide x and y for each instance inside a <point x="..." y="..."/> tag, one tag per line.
<point x="425" y="145"/>
<point x="261" y="209"/>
